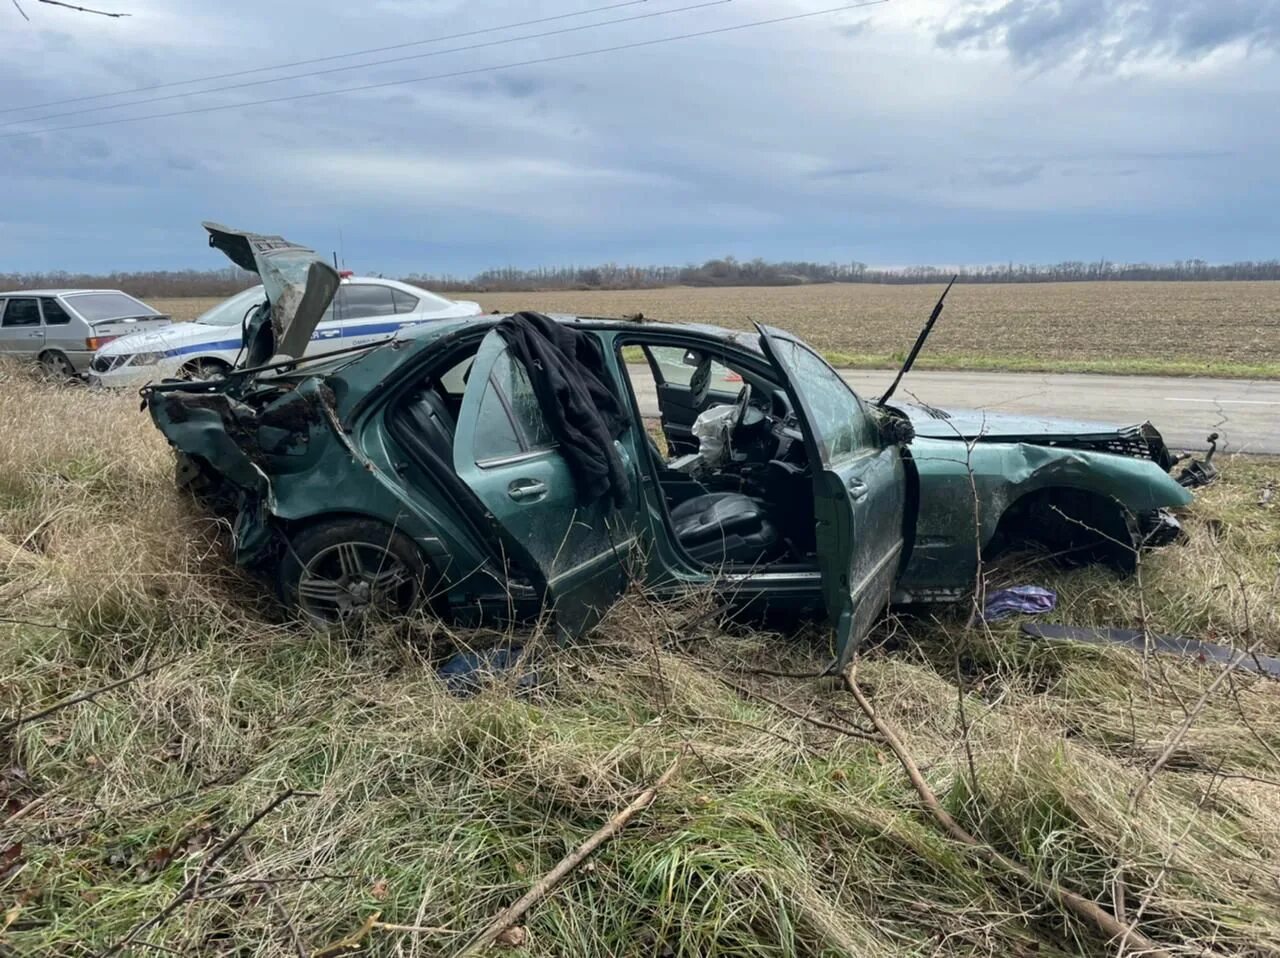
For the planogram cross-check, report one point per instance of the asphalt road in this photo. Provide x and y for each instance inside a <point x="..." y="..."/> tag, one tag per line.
<point x="1245" y="413"/>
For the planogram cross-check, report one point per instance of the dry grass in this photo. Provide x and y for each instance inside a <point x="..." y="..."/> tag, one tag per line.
<point x="778" y="838"/>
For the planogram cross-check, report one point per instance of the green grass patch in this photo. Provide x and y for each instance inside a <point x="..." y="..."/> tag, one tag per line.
<point x="1027" y="364"/>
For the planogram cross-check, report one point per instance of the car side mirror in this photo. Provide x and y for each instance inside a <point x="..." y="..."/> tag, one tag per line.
<point x="893" y="429"/>
<point x="692" y="358"/>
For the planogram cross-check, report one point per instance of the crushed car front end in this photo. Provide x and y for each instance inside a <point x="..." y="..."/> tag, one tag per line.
<point x="1093" y="490"/>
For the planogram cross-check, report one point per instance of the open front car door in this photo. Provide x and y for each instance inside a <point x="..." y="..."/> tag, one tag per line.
<point x="859" y="489"/>
<point x="576" y="553"/>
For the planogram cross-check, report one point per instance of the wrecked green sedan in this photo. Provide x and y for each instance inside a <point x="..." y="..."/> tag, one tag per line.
<point x="502" y="466"/>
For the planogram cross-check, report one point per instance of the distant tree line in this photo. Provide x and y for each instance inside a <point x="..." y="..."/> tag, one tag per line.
<point x="727" y="271"/>
<point x="156" y="284"/>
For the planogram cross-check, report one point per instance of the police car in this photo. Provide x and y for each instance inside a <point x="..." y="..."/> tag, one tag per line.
<point x="365" y="310"/>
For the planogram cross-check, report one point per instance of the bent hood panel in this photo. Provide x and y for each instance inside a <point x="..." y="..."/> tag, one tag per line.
<point x="1004" y="427"/>
<point x="299" y="284"/>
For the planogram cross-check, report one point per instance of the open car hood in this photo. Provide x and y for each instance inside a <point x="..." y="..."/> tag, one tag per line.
<point x="1142" y="439"/>
<point x="299" y="284"/>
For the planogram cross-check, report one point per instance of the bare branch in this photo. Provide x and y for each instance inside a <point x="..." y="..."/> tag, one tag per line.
<point x="567" y="864"/>
<point x="72" y="6"/>
<point x="188" y="891"/>
<point x="18" y="7"/>
<point x="1077" y="904"/>
<point x="83" y="697"/>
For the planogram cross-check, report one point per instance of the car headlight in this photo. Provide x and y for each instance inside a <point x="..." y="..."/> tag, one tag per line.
<point x="145" y="359"/>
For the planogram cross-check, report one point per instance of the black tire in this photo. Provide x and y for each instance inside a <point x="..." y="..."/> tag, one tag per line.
<point x="204" y="369"/>
<point x="1074" y="526"/>
<point x="56" y="365"/>
<point x="345" y="569"/>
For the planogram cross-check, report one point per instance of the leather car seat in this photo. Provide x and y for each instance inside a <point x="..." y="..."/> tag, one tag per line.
<point x="429" y="417"/>
<point x="725" y="527"/>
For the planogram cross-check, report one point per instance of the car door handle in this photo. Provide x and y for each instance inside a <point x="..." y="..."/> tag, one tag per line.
<point x="857" y="489"/>
<point x="526" y="490"/>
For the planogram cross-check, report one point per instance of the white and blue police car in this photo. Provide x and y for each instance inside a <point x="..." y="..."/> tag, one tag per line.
<point x="365" y="310"/>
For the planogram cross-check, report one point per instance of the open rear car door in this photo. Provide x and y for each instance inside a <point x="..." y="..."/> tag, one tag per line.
<point x="859" y="489"/>
<point x="577" y="553"/>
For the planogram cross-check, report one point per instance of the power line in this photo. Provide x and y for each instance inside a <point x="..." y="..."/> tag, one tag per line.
<point x="325" y="59"/>
<point x="370" y="63"/>
<point x="456" y="73"/>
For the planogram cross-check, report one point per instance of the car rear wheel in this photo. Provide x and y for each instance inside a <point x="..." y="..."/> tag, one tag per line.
<point x="349" y="568"/>
<point x="55" y="365"/>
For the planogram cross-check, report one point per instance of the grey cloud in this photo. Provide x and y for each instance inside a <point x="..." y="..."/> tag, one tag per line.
<point x="1102" y="34"/>
<point x="843" y="172"/>
<point x="854" y="29"/>
<point x="1000" y="175"/>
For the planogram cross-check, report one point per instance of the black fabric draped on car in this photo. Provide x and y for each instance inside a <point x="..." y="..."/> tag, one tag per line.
<point x="575" y="390"/>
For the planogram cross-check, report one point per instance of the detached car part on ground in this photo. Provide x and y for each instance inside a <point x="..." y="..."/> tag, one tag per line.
<point x="445" y="467"/>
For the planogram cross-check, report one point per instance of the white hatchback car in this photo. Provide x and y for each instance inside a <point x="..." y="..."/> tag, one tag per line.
<point x="365" y="310"/>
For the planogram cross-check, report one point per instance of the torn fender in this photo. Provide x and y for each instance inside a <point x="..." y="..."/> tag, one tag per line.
<point x="208" y="430"/>
<point x="202" y="425"/>
<point x="944" y="553"/>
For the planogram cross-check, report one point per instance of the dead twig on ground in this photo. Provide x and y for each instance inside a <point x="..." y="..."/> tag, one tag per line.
<point x="1080" y="906"/>
<point x="349" y="944"/>
<point x="13" y="724"/>
<point x="511" y="914"/>
<point x="803" y="716"/>
<point x="189" y="890"/>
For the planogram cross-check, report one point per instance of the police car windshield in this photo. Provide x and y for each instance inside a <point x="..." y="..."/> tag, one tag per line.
<point x="230" y="312"/>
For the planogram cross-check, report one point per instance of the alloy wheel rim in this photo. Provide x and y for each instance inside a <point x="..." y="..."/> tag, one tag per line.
<point x="57" y="366"/>
<point x="351" y="578"/>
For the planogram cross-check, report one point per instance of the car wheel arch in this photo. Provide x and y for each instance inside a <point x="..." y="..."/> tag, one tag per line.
<point x="215" y="363"/>
<point x="293" y="530"/>
<point x="296" y="525"/>
<point x="1085" y="520"/>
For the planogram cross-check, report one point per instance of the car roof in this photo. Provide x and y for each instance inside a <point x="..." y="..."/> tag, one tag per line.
<point x="377" y="280"/>
<point x="442" y="327"/>
<point x="60" y="292"/>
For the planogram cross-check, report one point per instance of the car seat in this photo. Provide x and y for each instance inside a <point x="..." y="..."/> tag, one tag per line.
<point x="721" y="527"/>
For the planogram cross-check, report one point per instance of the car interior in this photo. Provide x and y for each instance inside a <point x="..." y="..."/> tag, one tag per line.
<point x="734" y="478"/>
<point x="430" y="410"/>
<point x="734" y="475"/>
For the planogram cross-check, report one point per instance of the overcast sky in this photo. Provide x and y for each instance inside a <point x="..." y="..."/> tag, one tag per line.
<point x="917" y="131"/>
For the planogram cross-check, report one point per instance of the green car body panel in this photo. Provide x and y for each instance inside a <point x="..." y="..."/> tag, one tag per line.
<point x="944" y="556"/>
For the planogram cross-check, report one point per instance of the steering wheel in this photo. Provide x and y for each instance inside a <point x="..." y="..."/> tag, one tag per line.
<point x="743" y="403"/>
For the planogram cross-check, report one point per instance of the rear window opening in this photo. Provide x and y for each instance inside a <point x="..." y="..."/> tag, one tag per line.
<point x="100" y="307"/>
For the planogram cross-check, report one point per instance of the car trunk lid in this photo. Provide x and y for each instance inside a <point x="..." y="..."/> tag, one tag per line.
<point x="104" y="331"/>
<point x="299" y="285"/>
